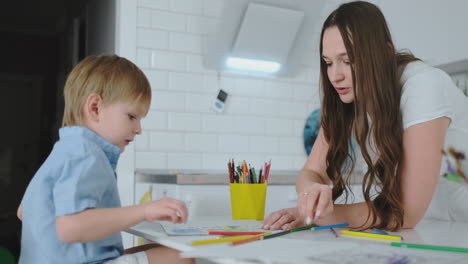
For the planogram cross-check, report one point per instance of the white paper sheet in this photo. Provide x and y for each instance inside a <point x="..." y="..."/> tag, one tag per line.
<point x="197" y="230"/>
<point x="384" y="253"/>
<point x="277" y="249"/>
<point x="339" y="251"/>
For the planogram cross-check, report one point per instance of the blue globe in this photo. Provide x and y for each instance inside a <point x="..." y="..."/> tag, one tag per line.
<point x="311" y="130"/>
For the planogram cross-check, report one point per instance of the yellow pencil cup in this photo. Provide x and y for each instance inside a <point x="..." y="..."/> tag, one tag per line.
<point x="248" y="201"/>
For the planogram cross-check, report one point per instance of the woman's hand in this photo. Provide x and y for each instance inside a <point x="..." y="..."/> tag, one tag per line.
<point x="314" y="201"/>
<point x="284" y="219"/>
<point x="167" y="209"/>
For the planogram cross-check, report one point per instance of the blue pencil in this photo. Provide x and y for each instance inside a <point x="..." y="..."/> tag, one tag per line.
<point x="329" y="226"/>
<point x="371" y="231"/>
<point x="378" y="231"/>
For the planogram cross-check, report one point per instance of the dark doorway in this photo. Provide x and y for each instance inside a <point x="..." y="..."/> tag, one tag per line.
<point x="39" y="43"/>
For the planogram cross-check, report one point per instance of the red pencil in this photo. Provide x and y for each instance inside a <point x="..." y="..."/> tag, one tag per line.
<point x="231" y="177"/>
<point x="267" y="173"/>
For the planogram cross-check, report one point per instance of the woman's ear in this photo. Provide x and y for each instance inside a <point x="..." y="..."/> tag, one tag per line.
<point x="92" y="106"/>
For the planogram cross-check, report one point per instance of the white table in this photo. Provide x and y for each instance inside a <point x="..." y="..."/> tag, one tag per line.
<point x="315" y="246"/>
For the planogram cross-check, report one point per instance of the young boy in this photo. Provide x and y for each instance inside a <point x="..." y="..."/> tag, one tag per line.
<point x="71" y="210"/>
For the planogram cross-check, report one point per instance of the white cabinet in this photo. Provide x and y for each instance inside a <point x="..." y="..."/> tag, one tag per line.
<point x="215" y="199"/>
<point x="279" y="197"/>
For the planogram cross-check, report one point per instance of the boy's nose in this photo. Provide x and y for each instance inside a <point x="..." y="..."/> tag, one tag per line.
<point x="137" y="130"/>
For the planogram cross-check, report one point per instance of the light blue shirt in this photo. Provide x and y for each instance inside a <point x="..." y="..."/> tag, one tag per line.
<point x="78" y="174"/>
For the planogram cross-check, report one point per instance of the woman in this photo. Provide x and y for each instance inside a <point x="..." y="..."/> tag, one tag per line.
<point x="397" y="109"/>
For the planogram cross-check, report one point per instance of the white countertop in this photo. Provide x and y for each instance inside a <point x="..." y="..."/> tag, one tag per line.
<point x="208" y="177"/>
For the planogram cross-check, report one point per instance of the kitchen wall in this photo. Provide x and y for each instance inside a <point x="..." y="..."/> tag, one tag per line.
<point x="264" y="116"/>
<point x="434" y="30"/>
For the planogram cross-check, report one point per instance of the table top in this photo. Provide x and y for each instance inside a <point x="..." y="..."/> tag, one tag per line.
<point x="314" y="246"/>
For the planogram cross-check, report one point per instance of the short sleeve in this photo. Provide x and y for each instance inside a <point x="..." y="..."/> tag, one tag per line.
<point x="81" y="185"/>
<point x="425" y="97"/>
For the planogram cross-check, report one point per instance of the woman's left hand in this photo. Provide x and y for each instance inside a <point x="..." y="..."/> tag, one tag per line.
<point x="284" y="219"/>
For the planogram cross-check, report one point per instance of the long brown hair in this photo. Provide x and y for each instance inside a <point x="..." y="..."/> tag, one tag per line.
<point x="376" y="69"/>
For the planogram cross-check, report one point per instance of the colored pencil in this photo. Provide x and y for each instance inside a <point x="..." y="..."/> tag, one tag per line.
<point x="378" y="231"/>
<point x="236" y="177"/>
<point x="231" y="177"/>
<point x="362" y="234"/>
<point x="233" y="233"/>
<point x="250" y="239"/>
<point x="267" y="170"/>
<point x="228" y="228"/>
<point x="329" y="226"/>
<point x="244" y="170"/>
<point x="233" y="170"/>
<point x="253" y="174"/>
<point x="302" y="228"/>
<point x="373" y="231"/>
<point x="334" y="232"/>
<point x="219" y="240"/>
<point x="430" y="247"/>
<point x="277" y="234"/>
<point x="386" y="241"/>
<point x="297" y="229"/>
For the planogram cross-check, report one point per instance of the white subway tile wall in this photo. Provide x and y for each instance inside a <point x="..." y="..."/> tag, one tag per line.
<point x="264" y="116"/>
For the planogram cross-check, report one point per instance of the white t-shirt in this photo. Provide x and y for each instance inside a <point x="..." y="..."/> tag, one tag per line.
<point x="429" y="93"/>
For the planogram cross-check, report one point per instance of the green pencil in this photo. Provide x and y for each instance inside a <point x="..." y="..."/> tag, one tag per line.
<point x="431" y="247"/>
<point x="277" y="234"/>
<point x="297" y="229"/>
<point x="307" y="227"/>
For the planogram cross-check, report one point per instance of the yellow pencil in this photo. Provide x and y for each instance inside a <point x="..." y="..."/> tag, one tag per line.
<point x="354" y="233"/>
<point x="219" y="240"/>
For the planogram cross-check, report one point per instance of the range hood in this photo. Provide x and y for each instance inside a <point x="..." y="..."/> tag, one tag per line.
<point x="270" y="31"/>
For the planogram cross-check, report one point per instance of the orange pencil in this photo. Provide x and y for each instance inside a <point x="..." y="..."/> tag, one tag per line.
<point x="244" y="170"/>
<point x="250" y="239"/>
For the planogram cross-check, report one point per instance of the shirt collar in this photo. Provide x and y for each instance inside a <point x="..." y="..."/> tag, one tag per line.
<point x="112" y="151"/>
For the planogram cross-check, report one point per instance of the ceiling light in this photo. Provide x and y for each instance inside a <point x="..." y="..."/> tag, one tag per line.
<point x="252" y="65"/>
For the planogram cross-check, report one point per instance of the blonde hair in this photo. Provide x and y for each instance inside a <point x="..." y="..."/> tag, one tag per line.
<point x="111" y="77"/>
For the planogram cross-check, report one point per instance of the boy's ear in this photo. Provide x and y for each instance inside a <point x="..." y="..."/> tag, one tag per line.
<point x="92" y="106"/>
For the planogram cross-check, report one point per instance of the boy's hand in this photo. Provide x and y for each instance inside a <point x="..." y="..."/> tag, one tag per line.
<point x="167" y="209"/>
